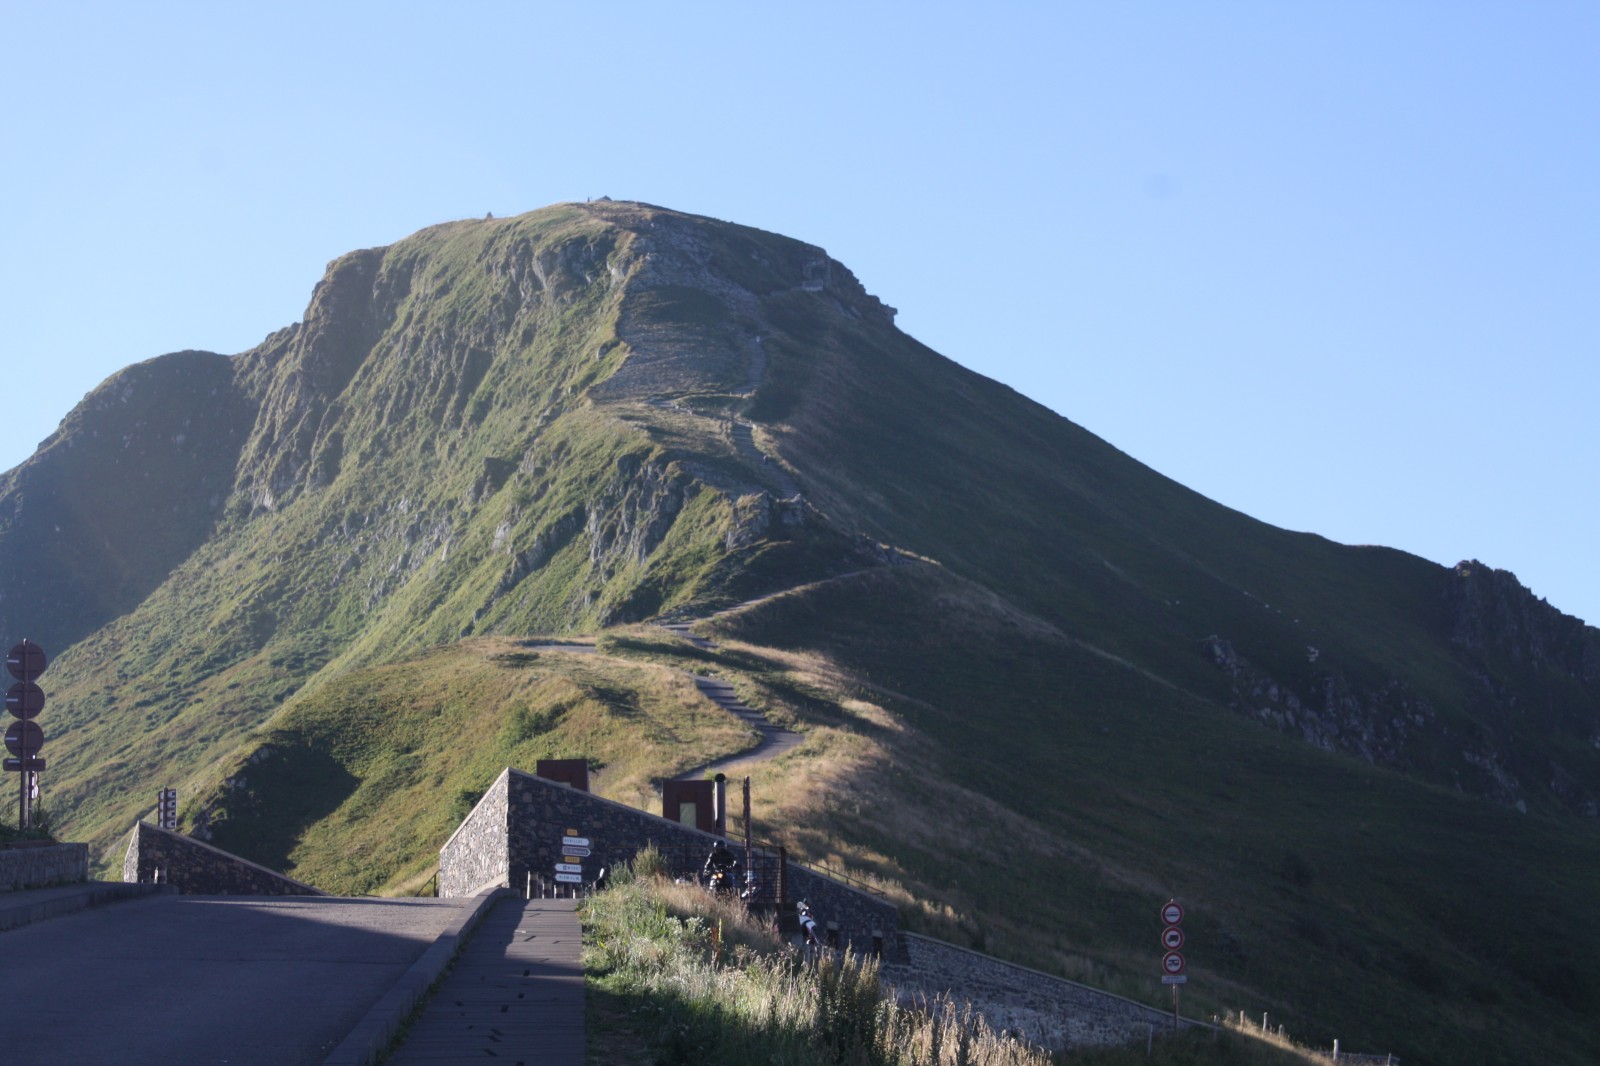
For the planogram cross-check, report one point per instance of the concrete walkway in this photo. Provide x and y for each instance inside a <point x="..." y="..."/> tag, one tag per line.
<point x="207" y="979"/>
<point x="514" y="996"/>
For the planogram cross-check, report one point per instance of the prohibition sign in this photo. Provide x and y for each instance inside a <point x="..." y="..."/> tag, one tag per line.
<point x="1172" y="913"/>
<point x="1172" y="938"/>
<point x="1173" y="963"/>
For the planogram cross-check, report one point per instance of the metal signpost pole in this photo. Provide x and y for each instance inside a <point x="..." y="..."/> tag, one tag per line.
<point x="24" y="738"/>
<point x="1174" y="966"/>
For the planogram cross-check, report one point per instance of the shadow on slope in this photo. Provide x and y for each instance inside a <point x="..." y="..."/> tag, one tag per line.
<point x="1348" y="900"/>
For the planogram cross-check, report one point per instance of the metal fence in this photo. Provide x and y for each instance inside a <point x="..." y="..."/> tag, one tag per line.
<point x="759" y="877"/>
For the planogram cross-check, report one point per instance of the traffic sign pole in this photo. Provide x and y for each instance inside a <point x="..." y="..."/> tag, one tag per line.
<point x="1174" y="967"/>
<point x="24" y="738"/>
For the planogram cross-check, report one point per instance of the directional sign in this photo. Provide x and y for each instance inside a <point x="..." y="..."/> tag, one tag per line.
<point x="1172" y="913"/>
<point x="578" y="853"/>
<point x="570" y="879"/>
<point x="25" y="699"/>
<point x="24" y="738"/>
<point x="1173" y="963"/>
<point x="26" y="661"/>
<point x="167" y="808"/>
<point x="574" y="842"/>
<point x="34" y="764"/>
<point x="569" y="868"/>
<point x="1172" y="938"/>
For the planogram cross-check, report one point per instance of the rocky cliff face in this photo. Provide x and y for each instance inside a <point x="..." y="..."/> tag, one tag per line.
<point x="1493" y="616"/>
<point x="1533" y="668"/>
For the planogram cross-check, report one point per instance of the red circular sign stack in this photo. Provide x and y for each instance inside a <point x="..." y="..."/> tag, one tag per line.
<point x="25" y="700"/>
<point x="1173" y="964"/>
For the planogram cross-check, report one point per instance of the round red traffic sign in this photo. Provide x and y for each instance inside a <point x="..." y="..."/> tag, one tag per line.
<point x="24" y="738"/>
<point x="1172" y="938"/>
<point x="25" y="699"/>
<point x="26" y="661"/>
<point x="1172" y="913"/>
<point x="1173" y="963"/>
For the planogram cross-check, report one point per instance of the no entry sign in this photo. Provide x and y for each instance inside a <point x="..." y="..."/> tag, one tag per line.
<point x="24" y="738"/>
<point x="25" y="699"/>
<point x="26" y="661"/>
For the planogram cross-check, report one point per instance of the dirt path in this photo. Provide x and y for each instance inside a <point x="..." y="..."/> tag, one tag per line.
<point x="774" y="740"/>
<point x="771" y="740"/>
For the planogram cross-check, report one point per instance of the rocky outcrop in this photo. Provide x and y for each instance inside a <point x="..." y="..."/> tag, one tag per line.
<point x="757" y="516"/>
<point x="630" y="516"/>
<point x="1491" y="613"/>
<point x="1378" y="725"/>
<point x="1531" y="664"/>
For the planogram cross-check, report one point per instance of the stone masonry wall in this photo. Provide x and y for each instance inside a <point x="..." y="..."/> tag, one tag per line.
<point x="1037" y="1007"/>
<point x="539" y="813"/>
<point x="477" y="851"/>
<point x="58" y="864"/>
<point x="195" y="868"/>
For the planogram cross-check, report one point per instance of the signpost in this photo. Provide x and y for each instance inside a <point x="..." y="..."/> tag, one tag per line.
<point x="167" y="809"/>
<point x="24" y="738"/>
<point x="1174" y="967"/>
<point x="574" y="849"/>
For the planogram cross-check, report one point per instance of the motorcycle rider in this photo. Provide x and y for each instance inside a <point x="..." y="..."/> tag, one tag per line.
<point x="808" y="927"/>
<point x="722" y="861"/>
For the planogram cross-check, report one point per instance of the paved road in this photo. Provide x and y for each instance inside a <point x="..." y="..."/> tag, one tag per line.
<point x="205" y="979"/>
<point x="514" y="996"/>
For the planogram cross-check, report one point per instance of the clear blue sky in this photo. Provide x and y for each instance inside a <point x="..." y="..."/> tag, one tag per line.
<point x="1335" y="265"/>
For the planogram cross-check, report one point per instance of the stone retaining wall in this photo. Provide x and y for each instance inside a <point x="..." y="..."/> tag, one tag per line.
<point x="517" y="827"/>
<point x="195" y="868"/>
<point x="57" y="864"/>
<point x="478" y="852"/>
<point x="1035" y="1006"/>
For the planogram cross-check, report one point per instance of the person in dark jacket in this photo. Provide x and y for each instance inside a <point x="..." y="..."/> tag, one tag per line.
<point x="720" y="866"/>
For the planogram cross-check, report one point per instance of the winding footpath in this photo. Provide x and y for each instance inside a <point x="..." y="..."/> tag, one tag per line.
<point x="772" y="740"/>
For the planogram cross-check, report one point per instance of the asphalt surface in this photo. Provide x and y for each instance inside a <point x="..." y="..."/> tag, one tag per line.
<point x="515" y="994"/>
<point x="207" y="979"/>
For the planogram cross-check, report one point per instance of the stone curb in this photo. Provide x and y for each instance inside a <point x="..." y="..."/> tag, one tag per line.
<point x="370" y="1038"/>
<point x="14" y="914"/>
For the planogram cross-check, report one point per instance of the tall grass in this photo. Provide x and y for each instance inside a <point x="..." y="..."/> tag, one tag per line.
<point x="709" y="985"/>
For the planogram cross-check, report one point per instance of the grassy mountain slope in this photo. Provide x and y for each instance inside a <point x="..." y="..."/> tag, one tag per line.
<point x="285" y="579"/>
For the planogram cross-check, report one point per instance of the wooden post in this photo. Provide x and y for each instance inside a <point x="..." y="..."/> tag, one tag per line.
<point x="747" y="839"/>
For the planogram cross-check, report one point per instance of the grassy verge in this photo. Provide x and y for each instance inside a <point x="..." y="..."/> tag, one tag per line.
<point x="675" y="976"/>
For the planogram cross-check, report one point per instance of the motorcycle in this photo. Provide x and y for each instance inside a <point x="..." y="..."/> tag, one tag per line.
<point x="720" y="883"/>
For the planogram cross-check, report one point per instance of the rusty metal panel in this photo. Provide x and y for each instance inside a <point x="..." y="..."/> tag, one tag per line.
<point x="574" y="772"/>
